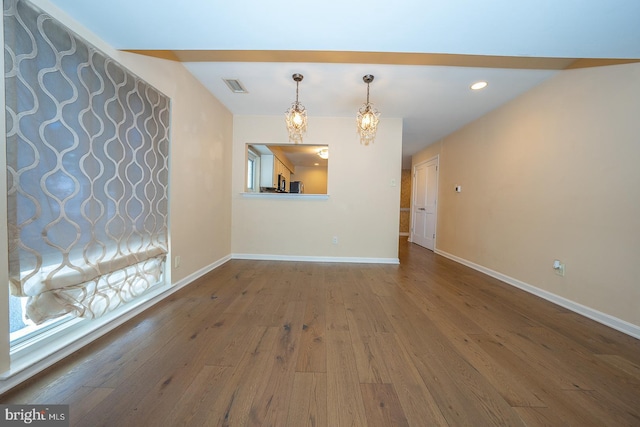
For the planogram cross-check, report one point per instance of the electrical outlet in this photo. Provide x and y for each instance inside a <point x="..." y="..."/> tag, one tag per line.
<point x="176" y="262"/>
<point x="334" y="240"/>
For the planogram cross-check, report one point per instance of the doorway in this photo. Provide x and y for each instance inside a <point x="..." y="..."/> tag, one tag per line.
<point x="424" y="203"/>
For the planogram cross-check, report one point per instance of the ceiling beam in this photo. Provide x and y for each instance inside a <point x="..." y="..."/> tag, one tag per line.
<point x="393" y="58"/>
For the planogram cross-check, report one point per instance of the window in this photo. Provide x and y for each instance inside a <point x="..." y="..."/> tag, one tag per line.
<point x="253" y="172"/>
<point x="87" y="167"/>
<point x="303" y="168"/>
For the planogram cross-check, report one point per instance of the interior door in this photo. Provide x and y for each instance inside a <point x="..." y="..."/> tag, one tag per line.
<point x="424" y="203"/>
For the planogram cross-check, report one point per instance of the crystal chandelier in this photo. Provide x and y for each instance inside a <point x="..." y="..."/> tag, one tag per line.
<point x="296" y="116"/>
<point x="367" y="117"/>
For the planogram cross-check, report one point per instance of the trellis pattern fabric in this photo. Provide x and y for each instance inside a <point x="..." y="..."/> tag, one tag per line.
<point x="87" y="168"/>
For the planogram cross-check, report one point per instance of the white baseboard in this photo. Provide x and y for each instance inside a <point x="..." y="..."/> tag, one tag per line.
<point x="30" y="361"/>
<point x="197" y="274"/>
<point x="355" y="260"/>
<point x="600" y="317"/>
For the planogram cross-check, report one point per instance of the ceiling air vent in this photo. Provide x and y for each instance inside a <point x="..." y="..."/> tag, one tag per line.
<point x="235" y="86"/>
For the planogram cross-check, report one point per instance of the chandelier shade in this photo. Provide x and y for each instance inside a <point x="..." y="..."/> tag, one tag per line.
<point x="368" y="117"/>
<point x="296" y="116"/>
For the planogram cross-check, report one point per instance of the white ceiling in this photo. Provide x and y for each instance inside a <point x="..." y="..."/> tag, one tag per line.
<point x="432" y="100"/>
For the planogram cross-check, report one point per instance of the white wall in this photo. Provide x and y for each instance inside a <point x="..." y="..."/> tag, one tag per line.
<point x="313" y="178"/>
<point x="200" y="166"/>
<point x="362" y="209"/>
<point x="554" y="174"/>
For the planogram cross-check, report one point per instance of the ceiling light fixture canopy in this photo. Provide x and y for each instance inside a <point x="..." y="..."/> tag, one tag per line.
<point x="367" y="117"/>
<point x="323" y="153"/>
<point x="296" y="116"/>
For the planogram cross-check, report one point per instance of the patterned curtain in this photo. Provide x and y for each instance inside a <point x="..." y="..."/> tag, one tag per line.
<point x="87" y="171"/>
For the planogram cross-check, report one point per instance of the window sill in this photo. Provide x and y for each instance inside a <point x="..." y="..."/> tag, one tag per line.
<point x="286" y="196"/>
<point x="41" y="351"/>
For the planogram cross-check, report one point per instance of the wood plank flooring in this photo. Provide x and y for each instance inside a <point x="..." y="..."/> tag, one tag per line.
<point x="426" y="343"/>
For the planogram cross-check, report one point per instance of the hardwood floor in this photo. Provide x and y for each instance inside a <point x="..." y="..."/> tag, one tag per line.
<point x="426" y="343"/>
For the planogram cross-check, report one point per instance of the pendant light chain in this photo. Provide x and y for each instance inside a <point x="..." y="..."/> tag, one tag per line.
<point x="296" y="116"/>
<point x="367" y="119"/>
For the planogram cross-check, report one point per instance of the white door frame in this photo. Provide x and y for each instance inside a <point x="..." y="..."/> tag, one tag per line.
<point x="435" y="158"/>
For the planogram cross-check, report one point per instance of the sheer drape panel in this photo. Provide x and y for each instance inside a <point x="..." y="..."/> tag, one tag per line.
<point x="87" y="159"/>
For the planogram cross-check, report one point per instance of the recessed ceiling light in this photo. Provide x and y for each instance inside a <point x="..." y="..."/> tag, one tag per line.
<point x="479" y="85"/>
<point x="235" y="86"/>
